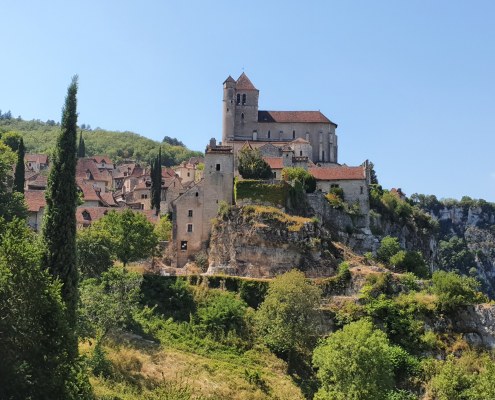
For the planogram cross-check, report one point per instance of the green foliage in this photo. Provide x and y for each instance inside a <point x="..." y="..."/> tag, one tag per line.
<point x="410" y="261"/>
<point x="34" y="331"/>
<point x="108" y="303"/>
<point x="132" y="236"/>
<point x="336" y="285"/>
<point x="299" y="174"/>
<point x="12" y="139"/>
<point x="354" y="364"/>
<point x="201" y="260"/>
<point x="454" y="254"/>
<point x="173" y="141"/>
<point x="19" y="169"/>
<point x="156" y="182"/>
<point x="11" y="203"/>
<point x="59" y="223"/>
<point x="94" y="252"/>
<point x="81" y="148"/>
<point x="426" y="202"/>
<point x="259" y="191"/>
<point x="287" y="319"/>
<point x="40" y="137"/>
<point x="163" y="228"/>
<point x="389" y="246"/>
<point x="222" y="312"/>
<point x="251" y="165"/>
<point x="168" y="296"/>
<point x="454" y="290"/>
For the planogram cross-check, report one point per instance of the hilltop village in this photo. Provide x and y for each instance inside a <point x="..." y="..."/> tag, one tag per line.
<point x="192" y="191"/>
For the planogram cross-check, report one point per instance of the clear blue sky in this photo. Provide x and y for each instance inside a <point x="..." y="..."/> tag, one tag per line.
<point x="411" y="84"/>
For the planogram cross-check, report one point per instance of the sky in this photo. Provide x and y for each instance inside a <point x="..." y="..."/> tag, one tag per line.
<point x="411" y="84"/>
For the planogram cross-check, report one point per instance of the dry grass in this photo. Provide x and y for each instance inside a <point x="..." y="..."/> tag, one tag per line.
<point x="263" y="214"/>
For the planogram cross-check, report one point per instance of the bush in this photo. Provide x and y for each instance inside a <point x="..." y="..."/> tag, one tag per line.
<point x="389" y="246"/>
<point x="302" y="176"/>
<point x="410" y="261"/>
<point x="251" y="165"/>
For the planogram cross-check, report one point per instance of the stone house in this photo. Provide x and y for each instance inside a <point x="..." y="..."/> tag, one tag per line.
<point x="354" y="181"/>
<point x="104" y="162"/>
<point x="36" y="204"/>
<point x="88" y="172"/>
<point x="36" y="162"/>
<point x="194" y="210"/>
<point x="242" y="120"/>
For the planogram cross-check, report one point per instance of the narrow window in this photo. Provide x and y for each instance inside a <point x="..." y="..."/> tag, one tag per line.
<point x="300" y="153"/>
<point x="238" y="98"/>
<point x="293" y="134"/>
<point x="268" y="134"/>
<point x="361" y="190"/>
<point x="242" y="115"/>
<point x="189" y="228"/>
<point x="197" y="194"/>
<point x="183" y="245"/>
<point x="243" y="99"/>
<point x="188" y="174"/>
<point x="323" y="155"/>
<point x="218" y="167"/>
<point x="190" y="213"/>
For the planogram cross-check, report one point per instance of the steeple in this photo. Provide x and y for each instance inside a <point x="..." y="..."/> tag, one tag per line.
<point x="243" y="83"/>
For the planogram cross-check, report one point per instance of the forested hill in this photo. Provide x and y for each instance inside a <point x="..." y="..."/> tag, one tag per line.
<point x="40" y="137"/>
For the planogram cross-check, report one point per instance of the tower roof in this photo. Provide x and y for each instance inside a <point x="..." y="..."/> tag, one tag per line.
<point x="229" y="79"/>
<point x="243" y="83"/>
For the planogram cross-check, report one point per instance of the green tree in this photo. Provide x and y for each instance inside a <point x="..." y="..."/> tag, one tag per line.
<point x="19" y="169"/>
<point x="59" y="225"/>
<point x="156" y="182"/>
<point x="94" y="252"/>
<point x="252" y="166"/>
<point x="354" y="363"/>
<point x="131" y="234"/>
<point x="12" y="139"/>
<point x="11" y="203"/>
<point x="454" y="254"/>
<point x="163" y="228"/>
<point x="454" y="290"/>
<point x="81" y="149"/>
<point x="35" y="363"/>
<point x="287" y="319"/>
<point x="300" y="175"/>
<point x="389" y="246"/>
<point x="108" y="303"/>
<point x="411" y="261"/>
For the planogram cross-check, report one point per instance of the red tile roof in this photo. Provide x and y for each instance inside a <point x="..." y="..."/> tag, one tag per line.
<point x="293" y="117"/>
<point x="38" y="158"/>
<point x="300" y="141"/>
<point x="99" y="159"/>
<point x="88" y="164"/>
<point x="338" y="173"/>
<point x="35" y="199"/>
<point x="274" y="162"/>
<point x="38" y="181"/>
<point x="243" y="83"/>
<point x="108" y="198"/>
<point x="88" y="191"/>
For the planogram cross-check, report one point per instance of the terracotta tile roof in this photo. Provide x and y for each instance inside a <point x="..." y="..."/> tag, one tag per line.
<point x="88" y="191"/>
<point x="38" y="158"/>
<point x="293" y="117"/>
<point x="196" y="160"/>
<point x="300" y="141"/>
<point x="274" y="162"/>
<point x="99" y="159"/>
<point x="35" y="199"/>
<point x="38" y="181"/>
<point x="108" y="198"/>
<point x="229" y="79"/>
<point x="243" y="83"/>
<point x="88" y="164"/>
<point x="338" y="173"/>
<point x="168" y="172"/>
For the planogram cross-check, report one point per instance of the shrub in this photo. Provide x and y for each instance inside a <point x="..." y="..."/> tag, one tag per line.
<point x="389" y="246"/>
<point x="252" y="166"/>
<point x="411" y="261"/>
<point x="301" y="175"/>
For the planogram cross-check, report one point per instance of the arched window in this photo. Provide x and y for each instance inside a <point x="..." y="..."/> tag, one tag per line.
<point x="238" y="98"/>
<point x="244" y="99"/>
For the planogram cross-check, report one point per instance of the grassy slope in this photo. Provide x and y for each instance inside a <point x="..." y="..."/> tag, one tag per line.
<point x="40" y="137"/>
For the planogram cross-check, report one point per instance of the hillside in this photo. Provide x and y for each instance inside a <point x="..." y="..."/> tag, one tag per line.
<point x="40" y="137"/>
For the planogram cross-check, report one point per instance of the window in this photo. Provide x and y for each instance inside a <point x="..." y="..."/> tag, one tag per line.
<point x="190" y="213"/>
<point x="183" y="245"/>
<point x="189" y="228"/>
<point x="243" y="99"/>
<point x="300" y="153"/>
<point x="86" y="215"/>
<point x="268" y="134"/>
<point x="323" y="155"/>
<point x="293" y="134"/>
<point x="238" y="98"/>
<point x="242" y="115"/>
<point x="218" y="167"/>
<point x="334" y="185"/>
<point x="144" y="196"/>
<point x="362" y="189"/>
<point x="197" y="194"/>
<point x="188" y="174"/>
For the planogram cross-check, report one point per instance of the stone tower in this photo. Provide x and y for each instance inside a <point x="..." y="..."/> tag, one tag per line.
<point x="240" y="109"/>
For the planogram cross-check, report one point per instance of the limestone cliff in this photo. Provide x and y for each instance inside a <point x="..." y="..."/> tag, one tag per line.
<point x="261" y="241"/>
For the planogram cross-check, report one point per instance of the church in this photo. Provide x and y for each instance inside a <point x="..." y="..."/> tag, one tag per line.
<point x="243" y="121"/>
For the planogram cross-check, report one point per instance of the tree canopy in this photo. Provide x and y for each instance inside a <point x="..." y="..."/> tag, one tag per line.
<point x="251" y="165"/>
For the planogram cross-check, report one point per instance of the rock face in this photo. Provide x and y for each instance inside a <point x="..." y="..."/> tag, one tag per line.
<point x="247" y="242"/>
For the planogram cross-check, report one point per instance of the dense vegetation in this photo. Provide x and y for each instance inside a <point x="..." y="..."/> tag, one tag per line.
<point x="40" y="137"/>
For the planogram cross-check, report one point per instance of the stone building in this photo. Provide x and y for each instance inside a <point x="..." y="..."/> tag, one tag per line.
<point x="242" y="120"/>
<point x="194" y="210"/>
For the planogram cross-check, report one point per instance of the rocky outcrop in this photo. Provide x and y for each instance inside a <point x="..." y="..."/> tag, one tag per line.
<point x="259" y="241"/>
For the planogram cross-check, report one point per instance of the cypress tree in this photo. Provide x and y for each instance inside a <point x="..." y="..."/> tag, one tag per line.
<point x="81" y="149"/>
<point x="156" y="182"/>
<point x="59" y="225"/>
<point x="19" y="168"/>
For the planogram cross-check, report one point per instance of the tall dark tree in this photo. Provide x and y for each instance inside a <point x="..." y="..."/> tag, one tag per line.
<point x="59" y="225"/>
<point x="19" y="168"/>
<point x="81" y="149"/>
<point x="156" y="182"/>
